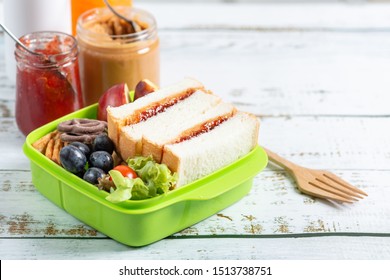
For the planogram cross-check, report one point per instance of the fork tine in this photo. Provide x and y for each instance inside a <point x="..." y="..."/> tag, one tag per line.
<point x="340" y="181"/>
<point x="316" y="191"/>
<point x="339" y="187"/>
<point x="332" y="191"/>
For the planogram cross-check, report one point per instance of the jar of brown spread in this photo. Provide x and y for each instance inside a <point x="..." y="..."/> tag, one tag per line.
<point x="114" y="51"/>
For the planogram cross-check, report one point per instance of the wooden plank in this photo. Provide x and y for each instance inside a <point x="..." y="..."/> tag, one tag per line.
<point x="173" y="14"/>
<point x="12" y="140"/>
<point x="270" y="15"/>
<point x="277" y="73"/>
<point x="273" y="207"/>
<point x="329" y="143"/>
<point x="313" y="248"/>
<point x="37" y="216"/>
<point x="7" y="108"/>
<point x="318" y="142"/>
<point x="286" y="73"/>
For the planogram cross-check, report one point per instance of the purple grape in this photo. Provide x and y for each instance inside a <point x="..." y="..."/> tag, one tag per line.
<point x="102" y="160"/>
<point x="103" y="143"/>
<point x="93" y="174"/>
<point x="73" y="160"/>
<point x="82" y="147"/>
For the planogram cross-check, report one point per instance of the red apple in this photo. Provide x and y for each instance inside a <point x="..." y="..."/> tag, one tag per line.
<point x="115" y="96"/>
<point x="143" y="88"/>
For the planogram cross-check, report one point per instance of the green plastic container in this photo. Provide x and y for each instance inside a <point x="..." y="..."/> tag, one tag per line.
<point x="138" y="223"/>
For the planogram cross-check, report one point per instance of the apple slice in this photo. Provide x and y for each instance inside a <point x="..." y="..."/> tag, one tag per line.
<point x="143" y="88"/>
<point x="115" y="96"/>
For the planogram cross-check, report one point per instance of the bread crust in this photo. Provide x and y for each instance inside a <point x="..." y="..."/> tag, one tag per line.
<point x="170" y="159"/>
<point x="255" y="139"/>
<point x="128" y="146"/>
<point x="151" y="148"/>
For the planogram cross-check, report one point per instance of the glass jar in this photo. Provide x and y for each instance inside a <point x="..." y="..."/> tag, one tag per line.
<point x="81" y="6"/>
<point x="106" y="60"/>
<point x="48" y="85"/>
<point x="27" y="16"/>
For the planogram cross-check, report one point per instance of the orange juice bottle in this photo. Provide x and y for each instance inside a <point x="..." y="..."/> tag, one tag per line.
<point x="80" y="6"/>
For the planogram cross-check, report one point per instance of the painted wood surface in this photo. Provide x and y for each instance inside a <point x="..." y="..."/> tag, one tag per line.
<point x="207" y="248"/>
<point x="317" y="78"/>
<point x="273" y="207"/>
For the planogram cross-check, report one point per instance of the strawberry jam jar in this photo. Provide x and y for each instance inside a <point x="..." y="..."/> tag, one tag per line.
<point x="47" y="85"/>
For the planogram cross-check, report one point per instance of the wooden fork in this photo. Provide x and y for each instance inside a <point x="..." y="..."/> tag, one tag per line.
<point x="318" y="183"/>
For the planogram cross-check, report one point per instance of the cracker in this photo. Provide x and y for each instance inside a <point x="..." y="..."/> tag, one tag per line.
<point x="56" y="134"/>
<point x="58" y="145"/>
<point x="50" y="148"/>
<point x="41" y="143"/>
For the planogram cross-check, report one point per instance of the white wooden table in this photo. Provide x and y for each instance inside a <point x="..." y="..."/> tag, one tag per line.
<point x="317" y="76"/>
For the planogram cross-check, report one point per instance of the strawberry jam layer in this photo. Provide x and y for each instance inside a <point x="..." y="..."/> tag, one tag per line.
<point x="155" y="109"/>
<point x="203" y="128"/>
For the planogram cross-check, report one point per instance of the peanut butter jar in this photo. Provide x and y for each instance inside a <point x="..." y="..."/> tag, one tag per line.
<point x="113" y="51"/>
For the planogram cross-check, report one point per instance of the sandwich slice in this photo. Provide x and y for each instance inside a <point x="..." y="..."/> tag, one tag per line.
<point x="207" y="152"/>
<point x="149" y="105"/>
<point x="154" y="140"/>
<point x="186" y="116"/>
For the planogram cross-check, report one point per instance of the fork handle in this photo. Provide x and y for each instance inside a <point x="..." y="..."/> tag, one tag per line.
<point x="288" y="165"/>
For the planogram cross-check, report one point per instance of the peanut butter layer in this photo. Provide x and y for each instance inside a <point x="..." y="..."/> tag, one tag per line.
<point x="113" y="25"/>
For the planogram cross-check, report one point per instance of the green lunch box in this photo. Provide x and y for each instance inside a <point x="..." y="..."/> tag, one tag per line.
<point x="140" y="222"/>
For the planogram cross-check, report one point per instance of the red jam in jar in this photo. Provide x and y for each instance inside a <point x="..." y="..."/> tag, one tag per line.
<point x="48" y="85"/>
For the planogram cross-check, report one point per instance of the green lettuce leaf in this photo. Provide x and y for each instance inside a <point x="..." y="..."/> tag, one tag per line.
<point x="153" y="179"/>
<point x="139" y="162"/>
<point x="123" y="187"/>
<point x="157" y="177"/>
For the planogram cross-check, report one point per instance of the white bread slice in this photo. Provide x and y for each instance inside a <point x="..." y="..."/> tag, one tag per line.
<point x="155" y="137"/>
<point x="130" y="138"/>
<point x="130" y="113"/>
<point x="208" y="152"/>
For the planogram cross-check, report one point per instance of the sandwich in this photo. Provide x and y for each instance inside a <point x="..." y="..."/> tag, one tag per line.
<point x="184" y="126"/>
<point x="148" y="137"/>
<point x="148" y="106"/>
